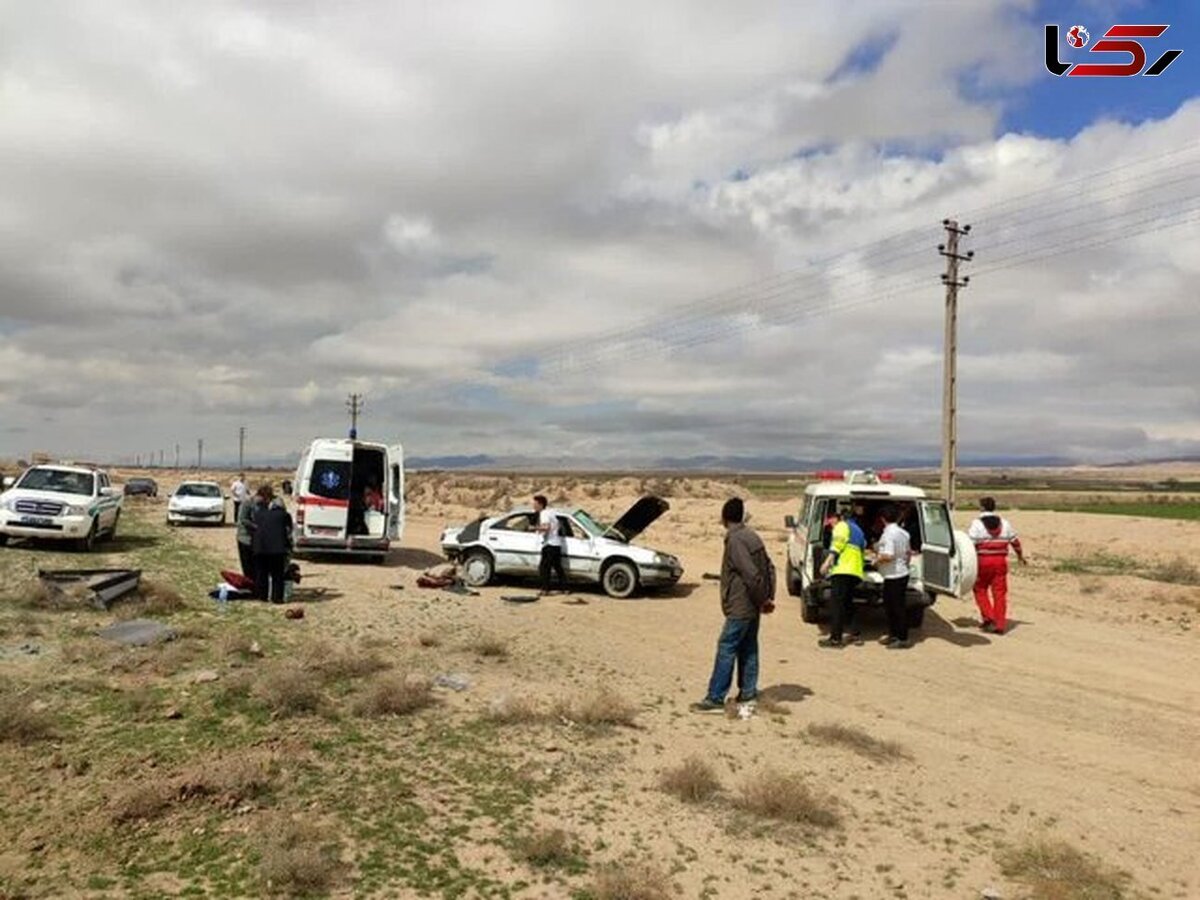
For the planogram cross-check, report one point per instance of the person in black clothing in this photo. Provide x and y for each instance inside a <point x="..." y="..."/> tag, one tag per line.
<point x="272" y="544"/>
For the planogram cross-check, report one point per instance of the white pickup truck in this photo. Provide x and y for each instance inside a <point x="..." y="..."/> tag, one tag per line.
<point x="60" y="503"/>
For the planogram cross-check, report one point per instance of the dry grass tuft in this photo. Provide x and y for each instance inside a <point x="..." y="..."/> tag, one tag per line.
<point x="772" y="794"/>
<point x="1177" y="571"/>
<point x="490" y="646"/>
<point x="548" y="848"/>
<point x="514" y="711"/>
<point x="288" y="689"/>
<point x="225" y="781"/>
<point x="395" y="695"/>
<point x="20" y="721"/>
<point x="144" y="801"/>
<point x="153" y="599"/>
<point x="299" y="860"/>
<point x="859" y="741"/>
<point x="429" y="639"/>
<point x="1090" y="585"/>
<point x="692" y="781"/>
<point x="342" y="663"/>
<point x="603" y="707"/>
<point x="1054" y="870"/>
<point x="632" y="882"/>
<point x="34" y="594"/>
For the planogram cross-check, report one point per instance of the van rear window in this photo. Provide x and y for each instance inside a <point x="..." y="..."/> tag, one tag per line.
<point x="330" y="479"/>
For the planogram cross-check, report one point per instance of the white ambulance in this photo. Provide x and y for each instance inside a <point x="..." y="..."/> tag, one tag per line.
<point x="348" y="498"/>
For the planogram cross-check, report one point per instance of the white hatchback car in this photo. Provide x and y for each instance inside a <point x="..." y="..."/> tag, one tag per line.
<point x="509" y="544"/>
<point x="196" y="501"/>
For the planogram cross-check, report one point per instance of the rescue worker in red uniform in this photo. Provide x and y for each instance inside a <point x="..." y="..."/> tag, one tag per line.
<point x="993" y="536"/>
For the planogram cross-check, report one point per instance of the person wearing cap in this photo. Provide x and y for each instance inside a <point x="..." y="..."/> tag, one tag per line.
<point x="747" y="592"/>
<point x="844" y="566"/>
<point x="993" y="536"/>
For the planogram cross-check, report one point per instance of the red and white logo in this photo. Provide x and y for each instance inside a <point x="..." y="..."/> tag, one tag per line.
<point x="1121" y="43"/>
<point x="1078" y="37"/>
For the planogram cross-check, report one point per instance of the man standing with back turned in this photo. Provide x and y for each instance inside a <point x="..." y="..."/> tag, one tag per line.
<point x="993" y="536"/>
<point x="747" y="591"/>
<point x="552" y="545"/>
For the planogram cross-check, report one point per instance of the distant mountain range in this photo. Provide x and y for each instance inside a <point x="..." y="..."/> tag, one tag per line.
<point x="713" y="463"/>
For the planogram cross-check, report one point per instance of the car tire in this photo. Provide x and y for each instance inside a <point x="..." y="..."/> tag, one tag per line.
<point x="3" y="539"/>
<point x="915" y="615"/>
<point x="222" y="522"/>
<point x="478" y="568"/>
<point x="810" y="613"/>
<point x="619" y="579"/>
<point x="88" y="544"/>
<point x="112" y="532"/>
<point x="794" y="588"/>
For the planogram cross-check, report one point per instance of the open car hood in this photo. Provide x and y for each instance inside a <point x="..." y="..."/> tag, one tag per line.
<point x="637" y="519"/>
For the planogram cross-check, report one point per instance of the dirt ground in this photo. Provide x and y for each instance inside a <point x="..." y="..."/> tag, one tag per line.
<point x="1080" y="724"/>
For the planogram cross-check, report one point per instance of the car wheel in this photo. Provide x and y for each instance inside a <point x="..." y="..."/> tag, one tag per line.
<point x="88" y="543"/>
<point x="619" y="579"/>
<point x="222" y="521"/>
<point x="793" y="582"/>
<point x="915" y="615"/>
<point x="478" y="567"/>
<point x="112" y="532"/>
<point x="3" y="539"/>
<point x="810" y="613"/>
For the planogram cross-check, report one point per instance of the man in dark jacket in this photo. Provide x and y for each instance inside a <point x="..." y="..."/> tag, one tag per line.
<point x="272" y="544"/>
<point x="747" y="591"/>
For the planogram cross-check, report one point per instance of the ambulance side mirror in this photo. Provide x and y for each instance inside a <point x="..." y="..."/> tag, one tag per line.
<point x="789" y="521"/>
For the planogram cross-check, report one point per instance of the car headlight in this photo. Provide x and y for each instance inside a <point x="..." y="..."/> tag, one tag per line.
<point x="75" y="510"/>
<point x="9" y="503"/>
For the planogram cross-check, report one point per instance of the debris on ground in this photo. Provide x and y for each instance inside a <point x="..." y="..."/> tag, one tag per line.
<point x="138" y="632"/>
<point x="991" y="893"/>
<point x="205" y="676"/>
<point x="711" y="576"/>
<point x="255" y="649"/>
<point x="519" y="598"/>
<point x="97" y="588"/>
<point x="455" y="681"/>
<point x="294" y="612"/>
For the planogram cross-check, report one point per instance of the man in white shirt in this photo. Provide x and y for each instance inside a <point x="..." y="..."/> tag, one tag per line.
<point x="552" y="545"/>
<point x="238" y="491"/>
<point x="892" y="554"/>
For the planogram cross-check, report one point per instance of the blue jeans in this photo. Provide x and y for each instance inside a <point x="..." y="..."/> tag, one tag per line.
<point x="738" y="644"/>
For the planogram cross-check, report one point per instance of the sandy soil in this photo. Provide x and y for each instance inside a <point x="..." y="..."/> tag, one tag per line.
<point x="1081" y="723"/>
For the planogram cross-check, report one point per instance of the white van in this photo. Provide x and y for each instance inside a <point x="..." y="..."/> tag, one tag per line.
<point x="349" y="497"/>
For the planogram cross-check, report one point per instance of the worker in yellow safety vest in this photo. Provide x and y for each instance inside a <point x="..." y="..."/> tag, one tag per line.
<point x="844" y="566"/>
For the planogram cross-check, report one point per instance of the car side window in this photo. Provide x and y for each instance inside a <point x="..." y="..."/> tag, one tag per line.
<point x="564" y="527"/>
<point x="516" y="522"/>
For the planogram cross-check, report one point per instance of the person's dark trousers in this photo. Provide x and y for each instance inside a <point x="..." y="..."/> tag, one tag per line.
<point x="268" y="576"/>
<point x="246" y="558"/>
<point x="552" y="562"/>
<point x="736" y="647"/>
<point x="895" y="592"/>
<point x="841" y="604"/>
<point x="237" y="505"/>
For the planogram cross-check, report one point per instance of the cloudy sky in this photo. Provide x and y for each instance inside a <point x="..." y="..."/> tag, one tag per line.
<point x="599" y="231"/>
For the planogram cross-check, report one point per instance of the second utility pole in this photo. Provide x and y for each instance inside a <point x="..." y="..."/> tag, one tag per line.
<point x="950" y="355"/>
<point x="354" y="404"/>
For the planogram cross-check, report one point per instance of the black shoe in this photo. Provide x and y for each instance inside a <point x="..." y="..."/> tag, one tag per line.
<point x="898" y="644"/>
<point x="855" y="638"/>
<point x="753" y="698"/>
<point x="887" y="640"/>
<point x="833" y="643"/>
<point x="707" y="705"/>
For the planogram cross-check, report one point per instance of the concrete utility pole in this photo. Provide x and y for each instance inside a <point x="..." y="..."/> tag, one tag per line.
<point x="241" y="447"/>
<point x="354" y="403"/>
<point x="950" y="355"/>
<point x="199" y="453"/>
<point x="176" y="457"/>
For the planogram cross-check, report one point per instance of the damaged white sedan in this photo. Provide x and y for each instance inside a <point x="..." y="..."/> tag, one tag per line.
<point x="510" y="545"/>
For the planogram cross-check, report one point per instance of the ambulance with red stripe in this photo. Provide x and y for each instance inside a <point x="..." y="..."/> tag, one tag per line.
<point x="943" y="562"/>
<point x="348" y="498"/>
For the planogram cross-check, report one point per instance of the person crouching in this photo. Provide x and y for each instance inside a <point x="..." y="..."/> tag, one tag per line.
<point x="272" y="544"/>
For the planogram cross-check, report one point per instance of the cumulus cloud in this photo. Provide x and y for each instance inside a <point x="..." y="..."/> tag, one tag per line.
<point x="237" y="214"/>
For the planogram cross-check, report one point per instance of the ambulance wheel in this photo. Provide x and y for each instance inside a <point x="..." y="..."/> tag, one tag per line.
<point x="478" y="567"/>
<point x="915" y="616"/>
<point x="810" y="613"/>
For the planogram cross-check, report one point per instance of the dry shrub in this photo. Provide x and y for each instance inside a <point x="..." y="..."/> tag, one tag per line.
<point x="1054" y="870"/>
<point x="395" y="695"/>
<point x="632" y="882"/>
<point x="547" y="848"/>
<point x="167" y="657"/>
<point x="772" y="794"/>
<point x="34" y="594"/>
<point x="859" y="741"/>
<point x="239" y="647"/>
<point x="342" y="662"/>
<point x="429" y="639"/>
<point x="288" y="689"/>
<point x="20" y="722"/>
<point x="514" y="711"/>
<point x="153" y="598"/>
<point x="692" y="781"/>
<point x="1090" y="585"/>
<point x="224" y="781"/>
<point x="490" y="646"/>
<point x="1177" y="571"/>
<point x="299" y="859"/>
<point x="602" y="707"/>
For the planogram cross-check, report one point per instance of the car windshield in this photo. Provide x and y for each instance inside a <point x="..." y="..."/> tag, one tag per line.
<point x="593" y="527"/>
<point x="59" y="481"/>
<point x="198" y="490"/>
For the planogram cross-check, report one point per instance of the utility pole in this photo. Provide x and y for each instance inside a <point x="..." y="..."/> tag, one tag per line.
<point x="950" y="355"/>
<point x="354" y="403"/>
<point x="199" y="453"/>
<point x="176" y="457"/>
<point x="160" y="459"/>
<point x="241" y="448"/>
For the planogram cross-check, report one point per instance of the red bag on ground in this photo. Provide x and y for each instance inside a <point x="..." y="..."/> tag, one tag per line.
<point x="237" y="580"/>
